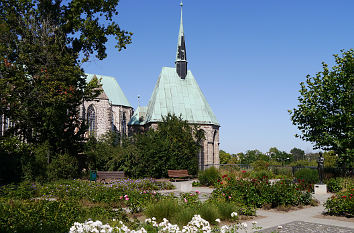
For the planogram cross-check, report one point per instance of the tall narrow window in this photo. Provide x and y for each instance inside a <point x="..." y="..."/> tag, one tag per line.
<point x="124" y="124"/>
<point x="1" y="125"/>
<point x="91" y="120"/>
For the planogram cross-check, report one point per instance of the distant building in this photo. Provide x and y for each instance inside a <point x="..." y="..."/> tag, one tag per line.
<point x="177" y="92"/>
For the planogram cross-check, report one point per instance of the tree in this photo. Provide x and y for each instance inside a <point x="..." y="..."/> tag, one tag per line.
<point x="41" y="80"/>
<point x="42" y="46"/>
<point x="298" y="154"/>
<point x="325" y="113"/>
<point x="224" y="157"/>
<point x="173" y="145"/>
<point x="280" y="156"/>
<point x="251" y="156"/>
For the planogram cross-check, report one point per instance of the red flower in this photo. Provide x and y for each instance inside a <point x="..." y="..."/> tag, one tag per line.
<point x="229" y="178"/>
<point x="344" y="196"/>
<point x="243" y="171"/>
<point x="221" y="182"/>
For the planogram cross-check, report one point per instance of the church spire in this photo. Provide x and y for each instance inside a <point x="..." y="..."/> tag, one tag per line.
<point x="181" y="57"/>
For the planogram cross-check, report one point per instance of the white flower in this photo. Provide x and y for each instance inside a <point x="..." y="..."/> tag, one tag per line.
<point x="244" y="224"/>
<point x="148" y="220"/>
<point x="224" y="229"/>
<point x="280" y="227"/>
<point x="254" y="222"/>
<point x="217" y="220"/>
<point x="233" y="214"/>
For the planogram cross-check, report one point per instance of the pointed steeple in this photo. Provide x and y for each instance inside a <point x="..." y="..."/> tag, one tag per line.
<point x="181" y="55"/>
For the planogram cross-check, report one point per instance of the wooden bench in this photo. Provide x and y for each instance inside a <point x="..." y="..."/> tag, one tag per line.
<point x="178" y="174"/>
<point x="104" y="176"/>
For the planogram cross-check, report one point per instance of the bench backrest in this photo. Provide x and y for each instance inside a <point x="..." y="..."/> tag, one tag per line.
<point x="178" y="173"/>
<point x="110" y="174"/>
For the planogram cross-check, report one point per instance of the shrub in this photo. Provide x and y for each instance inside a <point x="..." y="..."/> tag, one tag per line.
<point x="334" y="185"/>
<point x="307" y="175"/>
<point x="184" y="215"/>
<point x="63" y="167"/>
<point x="341" y="204"/>
<point x="163" y="209"/>
<point x="260" y="165"/>
<point x="225" y="209"/>
<point x="261" y="174"/>
<point x="38" y="216"/>
<point x="209" y="212"/>
<point x="209" y="176"/>
<point x="258" y="193"/>
<point x="282" y="171"/>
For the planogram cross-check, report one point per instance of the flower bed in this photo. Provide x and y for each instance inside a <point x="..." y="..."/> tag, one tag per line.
<point x="55" y="206"/>
<point x="197" y="224"/>
<point x="259" y="193"/>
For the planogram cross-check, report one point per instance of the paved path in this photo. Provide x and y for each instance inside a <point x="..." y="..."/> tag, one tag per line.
<point x="302" y="221"/>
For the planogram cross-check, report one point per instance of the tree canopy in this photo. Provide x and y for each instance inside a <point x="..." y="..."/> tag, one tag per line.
<point x="173" y="145"/>
<point x="325" y="113"/>
<point x="42" y="46"/>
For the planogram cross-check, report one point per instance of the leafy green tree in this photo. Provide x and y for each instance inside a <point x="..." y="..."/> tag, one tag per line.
<point x="42" y="45"/>
<point x="173" y="145"/>
<point x="325" y="113"/>
<point x="280" y="156"/>
<point x="297" y="153"/>
<point x="224" y="157"/>
<point x="252" y="155"/>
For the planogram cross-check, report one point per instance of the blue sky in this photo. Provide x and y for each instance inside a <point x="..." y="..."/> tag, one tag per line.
<point x="248" y="58"/>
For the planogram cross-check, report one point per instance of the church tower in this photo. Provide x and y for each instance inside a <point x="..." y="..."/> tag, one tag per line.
<point x="181" y="55"/>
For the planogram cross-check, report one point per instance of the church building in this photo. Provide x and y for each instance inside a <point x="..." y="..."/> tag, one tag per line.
<point x="177" y="92"/>
<point x="110" y="111"/>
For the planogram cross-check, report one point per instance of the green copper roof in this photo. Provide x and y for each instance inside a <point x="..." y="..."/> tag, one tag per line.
<point x="112" y="89"/>
<point x="179" y="97"/>
<point x="138" y="117"/>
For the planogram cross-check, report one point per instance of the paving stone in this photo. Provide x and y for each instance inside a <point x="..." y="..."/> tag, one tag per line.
<point x="307" y="227"/>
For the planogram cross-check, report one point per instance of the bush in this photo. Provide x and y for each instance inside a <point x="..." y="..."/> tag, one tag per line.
<point x="282" y="171"/>
<point x="209" y="212"/>
<point x="184" y="215"/>
<point x="209" y="176"/>
<point x="341" y="204"/>
<point x="38" y="216"/>
<point x="260" y="165"/>
<point x="259" y="193"/>
<point x="261" y="174"/>
<point x="164" y="209"/>
<point x="63" y="167"/>
<point x="334" y="185"/>
<point x="307" y="175"/>
<point x="49" y="216"/>
<point x="225" y="209"/>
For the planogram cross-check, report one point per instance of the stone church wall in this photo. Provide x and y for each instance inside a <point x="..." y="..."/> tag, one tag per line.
<point x="209" y="154"/>
<point x="121" y="117"/>
<point x="103" y="115"/>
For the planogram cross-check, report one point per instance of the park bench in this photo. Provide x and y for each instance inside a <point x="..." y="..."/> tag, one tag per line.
<point x="178" y="175"/>
<point x="104" y="176"/>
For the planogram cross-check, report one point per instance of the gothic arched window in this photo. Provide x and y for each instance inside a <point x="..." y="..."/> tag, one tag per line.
<point x="91" y="120"/>
<point x="124" y="123"/>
